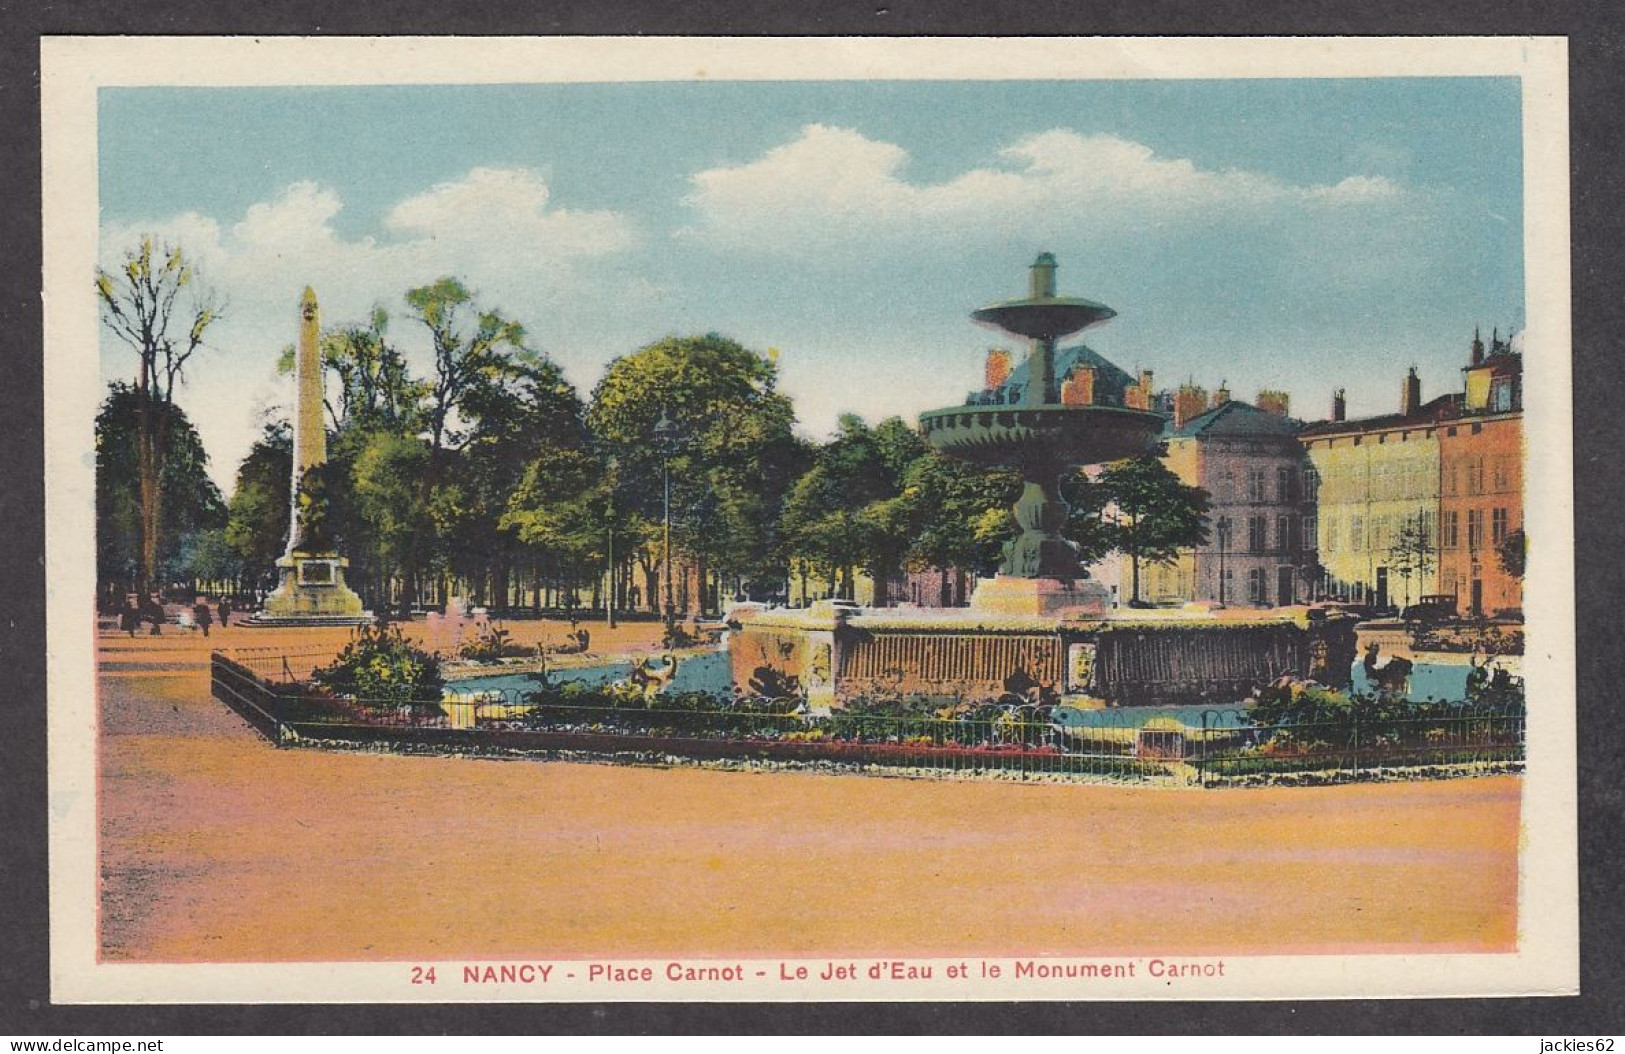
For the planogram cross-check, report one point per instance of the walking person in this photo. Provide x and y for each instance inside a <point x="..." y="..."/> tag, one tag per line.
<point x="129" y="618"/>
<point x="153" y="611"/>
<point x="225" y="612"/>
<point x="200" y="613"/>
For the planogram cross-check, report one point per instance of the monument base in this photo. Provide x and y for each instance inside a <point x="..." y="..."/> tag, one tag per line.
<point x="311" y="593"/>
<point x="1007" y="595"/>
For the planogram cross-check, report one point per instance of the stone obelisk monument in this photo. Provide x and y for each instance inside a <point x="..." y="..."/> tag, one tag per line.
<point x="311" y="589"/>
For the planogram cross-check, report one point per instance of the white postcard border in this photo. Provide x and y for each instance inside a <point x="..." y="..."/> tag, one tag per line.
<point x="73" y="69"/>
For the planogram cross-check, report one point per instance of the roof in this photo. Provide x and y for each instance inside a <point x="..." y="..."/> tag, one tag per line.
<point x="1234" y="418"/>
<point x="1430" y="412"/>
<point x="1110" y="380"/>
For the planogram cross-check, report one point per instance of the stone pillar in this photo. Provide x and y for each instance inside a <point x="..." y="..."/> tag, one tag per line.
<point x="309" y="433"/>
<point x="311" y="589"/>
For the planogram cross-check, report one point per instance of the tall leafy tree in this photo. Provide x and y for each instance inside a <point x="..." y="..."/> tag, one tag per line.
<point x="852" y="507"/>
<point x="513" y="417"/>
<point x="188" y="499"/>
<point x="962" y="513"/>
<point x="472" y="348"/>
<point x="1411" y="555"/>
<point x="1156" y="514"/>
<point x="157" y="305"/>
<point x="257" y="527"/>
<point x="732" y="454"/>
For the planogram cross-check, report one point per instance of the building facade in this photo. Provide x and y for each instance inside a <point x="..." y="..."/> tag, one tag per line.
<point x="1420" y="502"/>
<point x="1378" y="498"/>
<point x="1481" y="485"/>
<point x="1261" y="521"/>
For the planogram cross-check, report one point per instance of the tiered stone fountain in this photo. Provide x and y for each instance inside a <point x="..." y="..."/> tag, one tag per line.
<point x="1040" y="625"/>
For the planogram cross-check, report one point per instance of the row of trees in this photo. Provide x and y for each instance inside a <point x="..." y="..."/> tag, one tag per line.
<point x="487" y="471"/>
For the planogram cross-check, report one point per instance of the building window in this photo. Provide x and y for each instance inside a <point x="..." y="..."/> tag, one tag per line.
<point x="1503" y="473"/>
<point x="1311" y="532"/>
<point x="1255" y="485"/>
<point x="1451" y="479"/>
<point x="1475" y="528"/>
<point x="1255" y="586"/>
<point x="1256" y="530"/>
<point x="1452" y="526"/>
<point x="1283" y="484"/>
<point x="1329" y="542"/>
<point x="1283" y="533"/>
<point x="1498" y="526"/>
<point x="1356" y="533"/>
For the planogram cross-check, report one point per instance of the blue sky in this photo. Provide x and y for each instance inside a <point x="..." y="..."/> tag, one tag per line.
<point x="1297" y="234"/>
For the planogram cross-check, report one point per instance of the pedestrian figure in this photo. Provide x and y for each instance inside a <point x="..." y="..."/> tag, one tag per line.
<point x="225" y="612"/>
<point x="200" y="612"/>
<point x="153" y="612"/>
<point x="129" y="618"/>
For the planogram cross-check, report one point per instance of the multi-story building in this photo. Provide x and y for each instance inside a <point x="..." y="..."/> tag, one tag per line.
<point x="1481" y="484"/>
<point x="1261" y="520"/>
<point x="1378" y="497"/>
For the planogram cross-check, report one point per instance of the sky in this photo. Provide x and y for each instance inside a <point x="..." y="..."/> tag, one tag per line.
<point x="1294" y="234"/>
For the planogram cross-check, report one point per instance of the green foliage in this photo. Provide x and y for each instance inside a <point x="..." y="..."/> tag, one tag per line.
<point x="385" y="482"/>
<point x="1156" y="515"/>
<point x="380" y="667"/>
<point x="962" y="513"/>
<point x="1513" y="552"/>
<point x="489" y="645"/>
<point x="732" y="455"/>
<point x="190" y="502"/>
<point x="257" y="528"/>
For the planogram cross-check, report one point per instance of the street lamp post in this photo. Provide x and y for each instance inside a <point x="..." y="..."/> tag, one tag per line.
<point x="1224" y="543"/>
<point x="665" y="434"/>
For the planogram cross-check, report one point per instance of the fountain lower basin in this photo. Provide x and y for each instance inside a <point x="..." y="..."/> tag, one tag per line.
<point x="834" y="653"/>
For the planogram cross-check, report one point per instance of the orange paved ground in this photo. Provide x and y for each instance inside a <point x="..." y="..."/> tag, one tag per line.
<point x="216" y="846"/>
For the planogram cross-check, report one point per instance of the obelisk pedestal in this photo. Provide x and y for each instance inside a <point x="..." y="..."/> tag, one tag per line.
<point x="310" y="589"/>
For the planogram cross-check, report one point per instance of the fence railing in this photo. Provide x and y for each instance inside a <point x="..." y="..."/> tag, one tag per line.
<point x="1212" y="747"/>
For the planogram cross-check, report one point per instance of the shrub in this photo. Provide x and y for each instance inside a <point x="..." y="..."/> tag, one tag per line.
<point x="489" y="645"/>
<point x="380" y="667"/>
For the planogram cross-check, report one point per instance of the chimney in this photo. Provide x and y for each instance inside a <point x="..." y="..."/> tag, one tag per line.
<point x="1340" y="406"/>
<point x="1189" y="402"/>
<point x="1274" y="402"/>
<point x="1478" y="347"/>
<point x="1137" y="396"/>
<point x="1079" y="388"/>
<point x="1410" y="399"/>
<point x="997" y="370"/>
<point x="1222" y="395"/>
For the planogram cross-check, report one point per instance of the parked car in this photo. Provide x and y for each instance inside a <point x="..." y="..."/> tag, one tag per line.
<point x="1434" y="607"/>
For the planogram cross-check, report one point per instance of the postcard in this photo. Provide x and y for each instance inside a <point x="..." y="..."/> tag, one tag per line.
<point x="662" y="519"/>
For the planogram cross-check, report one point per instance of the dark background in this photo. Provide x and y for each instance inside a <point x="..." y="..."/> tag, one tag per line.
<point x="1596" y="32"/>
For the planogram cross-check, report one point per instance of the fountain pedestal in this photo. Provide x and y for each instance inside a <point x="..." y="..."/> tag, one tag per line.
<point x="1043" y="597"/>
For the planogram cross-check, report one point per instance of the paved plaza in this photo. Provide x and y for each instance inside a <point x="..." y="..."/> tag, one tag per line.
<point x="217" y="847"/>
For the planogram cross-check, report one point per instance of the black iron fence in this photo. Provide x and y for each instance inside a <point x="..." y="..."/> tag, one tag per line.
<point x="1214" y="747"/>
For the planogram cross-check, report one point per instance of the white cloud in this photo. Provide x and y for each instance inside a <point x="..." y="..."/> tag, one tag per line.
<point x="834" y="185"/>
<point x="507" y="208"/>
